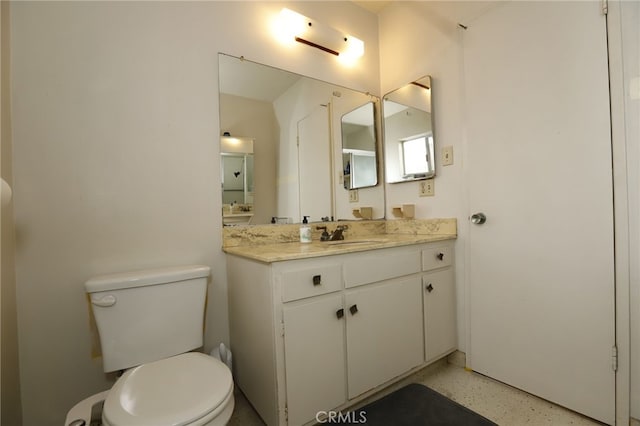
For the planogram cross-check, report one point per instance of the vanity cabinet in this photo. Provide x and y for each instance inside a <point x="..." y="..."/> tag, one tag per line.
<point x="320" y="334"/>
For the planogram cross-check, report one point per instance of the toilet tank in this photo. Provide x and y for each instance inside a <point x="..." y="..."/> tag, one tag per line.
<point x="144" y="316"/>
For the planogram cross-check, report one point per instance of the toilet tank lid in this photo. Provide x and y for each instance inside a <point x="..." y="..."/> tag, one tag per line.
<point x="145" y="277"/>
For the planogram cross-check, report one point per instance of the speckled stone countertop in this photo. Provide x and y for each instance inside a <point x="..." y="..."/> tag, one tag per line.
<point x="274" y="243"/>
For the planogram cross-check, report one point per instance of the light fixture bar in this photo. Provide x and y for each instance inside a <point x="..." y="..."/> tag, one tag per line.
<point x="317" y="46"/>
<point x="299" y="28"/>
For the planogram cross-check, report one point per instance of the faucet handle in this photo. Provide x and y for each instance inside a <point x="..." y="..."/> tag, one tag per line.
<point x="325" y="235"/>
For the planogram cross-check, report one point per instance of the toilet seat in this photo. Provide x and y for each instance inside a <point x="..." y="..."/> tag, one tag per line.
<point x="188" y="389"/>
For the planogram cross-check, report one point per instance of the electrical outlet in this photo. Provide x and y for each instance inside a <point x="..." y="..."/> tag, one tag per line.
<point x="426" y="188"/>
<point x="353" y="196"/>
<point x="447" y="155"/>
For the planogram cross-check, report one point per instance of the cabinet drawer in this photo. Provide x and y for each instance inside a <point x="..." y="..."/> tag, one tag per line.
<point x="310" y="281"/>
<point x="436" y="257"/>
<point x="383" y="265"/>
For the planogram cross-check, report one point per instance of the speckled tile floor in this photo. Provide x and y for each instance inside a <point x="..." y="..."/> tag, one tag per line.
<point x="496" y="401"/>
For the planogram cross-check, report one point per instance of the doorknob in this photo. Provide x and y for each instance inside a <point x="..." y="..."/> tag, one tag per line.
<point x="478" y="218"/>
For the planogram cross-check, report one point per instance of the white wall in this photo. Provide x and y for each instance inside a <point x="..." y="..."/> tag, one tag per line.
<point x="116" y="166"/>
<point x="10" y="377"/>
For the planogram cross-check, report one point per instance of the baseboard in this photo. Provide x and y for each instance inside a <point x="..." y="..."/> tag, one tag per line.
<point x="459" y="359"/>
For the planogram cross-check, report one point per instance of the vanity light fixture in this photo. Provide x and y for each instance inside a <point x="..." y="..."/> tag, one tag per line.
<point x="294" y="27"/>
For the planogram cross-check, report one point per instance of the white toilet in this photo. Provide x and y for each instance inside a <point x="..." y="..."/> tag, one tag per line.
<point x="148" y="321"/>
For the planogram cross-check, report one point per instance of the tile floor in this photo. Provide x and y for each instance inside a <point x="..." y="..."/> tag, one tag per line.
<point x="494" y="400"/>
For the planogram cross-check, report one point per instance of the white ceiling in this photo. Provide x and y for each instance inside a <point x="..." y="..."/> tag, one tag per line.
<point x="373" y="6"/>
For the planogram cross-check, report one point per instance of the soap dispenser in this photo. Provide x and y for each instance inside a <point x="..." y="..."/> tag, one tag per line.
<point x="305" y="230"/>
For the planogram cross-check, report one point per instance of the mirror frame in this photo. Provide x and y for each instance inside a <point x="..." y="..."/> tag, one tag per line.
<point x="412" y="97"/>
<point x="349" y="168"/>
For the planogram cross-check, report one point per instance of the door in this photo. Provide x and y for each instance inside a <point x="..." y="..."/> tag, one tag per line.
<point x="540" y="269"/>
<point x="314" y="353"/>
<point x="314" y="149"/>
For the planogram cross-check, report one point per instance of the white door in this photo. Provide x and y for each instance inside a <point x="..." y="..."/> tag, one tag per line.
<point x="314" y="151"/>
<point x="540" y="270"/>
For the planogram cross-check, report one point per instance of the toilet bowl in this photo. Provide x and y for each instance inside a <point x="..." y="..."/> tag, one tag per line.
<point x="149" y="323"/>
<point x="191" y="389"/>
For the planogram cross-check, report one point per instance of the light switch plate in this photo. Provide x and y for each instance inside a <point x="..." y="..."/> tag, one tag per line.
<point x="426" y="188"/>
<point x="353" y="196"/>
<point x="447" y="155"/>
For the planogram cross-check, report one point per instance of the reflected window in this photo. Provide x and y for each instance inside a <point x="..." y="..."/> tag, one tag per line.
<point x="415" y="157"/>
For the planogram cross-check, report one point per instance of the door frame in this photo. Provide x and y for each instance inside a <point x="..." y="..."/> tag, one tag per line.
<point x="620" y="212"/>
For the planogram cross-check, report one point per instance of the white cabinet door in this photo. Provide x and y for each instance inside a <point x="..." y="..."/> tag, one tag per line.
<point x="384" y="332"/>
<point x="314" y="356"/>
<point x="439" y="313"/>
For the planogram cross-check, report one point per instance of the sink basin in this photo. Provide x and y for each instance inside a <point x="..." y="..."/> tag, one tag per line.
<point x="353" y="242"/>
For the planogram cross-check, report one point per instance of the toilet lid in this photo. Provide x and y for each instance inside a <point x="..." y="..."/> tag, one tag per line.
<point x="174" y="391"/>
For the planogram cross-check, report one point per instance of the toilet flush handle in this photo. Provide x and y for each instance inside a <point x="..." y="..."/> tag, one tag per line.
<point x="103" y="301"/>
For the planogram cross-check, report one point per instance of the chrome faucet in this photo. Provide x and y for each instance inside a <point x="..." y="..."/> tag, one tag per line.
<point x="336" y="235"/>
<point x="325" y="235"/>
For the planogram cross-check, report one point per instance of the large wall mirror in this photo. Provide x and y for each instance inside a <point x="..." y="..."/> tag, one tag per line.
<point x="408" y="132"/>
<point x="294" y="124"/>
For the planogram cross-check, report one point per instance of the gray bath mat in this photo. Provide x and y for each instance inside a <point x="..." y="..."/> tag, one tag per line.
<point x="416" y="405"/>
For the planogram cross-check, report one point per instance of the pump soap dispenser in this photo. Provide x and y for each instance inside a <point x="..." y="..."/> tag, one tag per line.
<point x="305" y="230"/>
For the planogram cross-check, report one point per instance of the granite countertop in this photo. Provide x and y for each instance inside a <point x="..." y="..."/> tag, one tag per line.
<point x="282" y="251"/>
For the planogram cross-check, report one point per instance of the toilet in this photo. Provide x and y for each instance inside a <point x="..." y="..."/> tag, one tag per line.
<point x="149" y="322"/>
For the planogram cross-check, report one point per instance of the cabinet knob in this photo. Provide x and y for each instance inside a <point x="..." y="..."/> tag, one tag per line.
<point x="317" y="279"/>
<point x="440" y="256"/>
<point x="340" y="313"/>
<point x="430" y="288"/>
<point x="353" y="309"/>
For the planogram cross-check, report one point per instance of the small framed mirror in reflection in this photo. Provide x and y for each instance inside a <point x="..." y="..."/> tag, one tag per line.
<point x="236" y="167"/>
<point x="359" y="162"/>
<point x="408" y="132"/>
